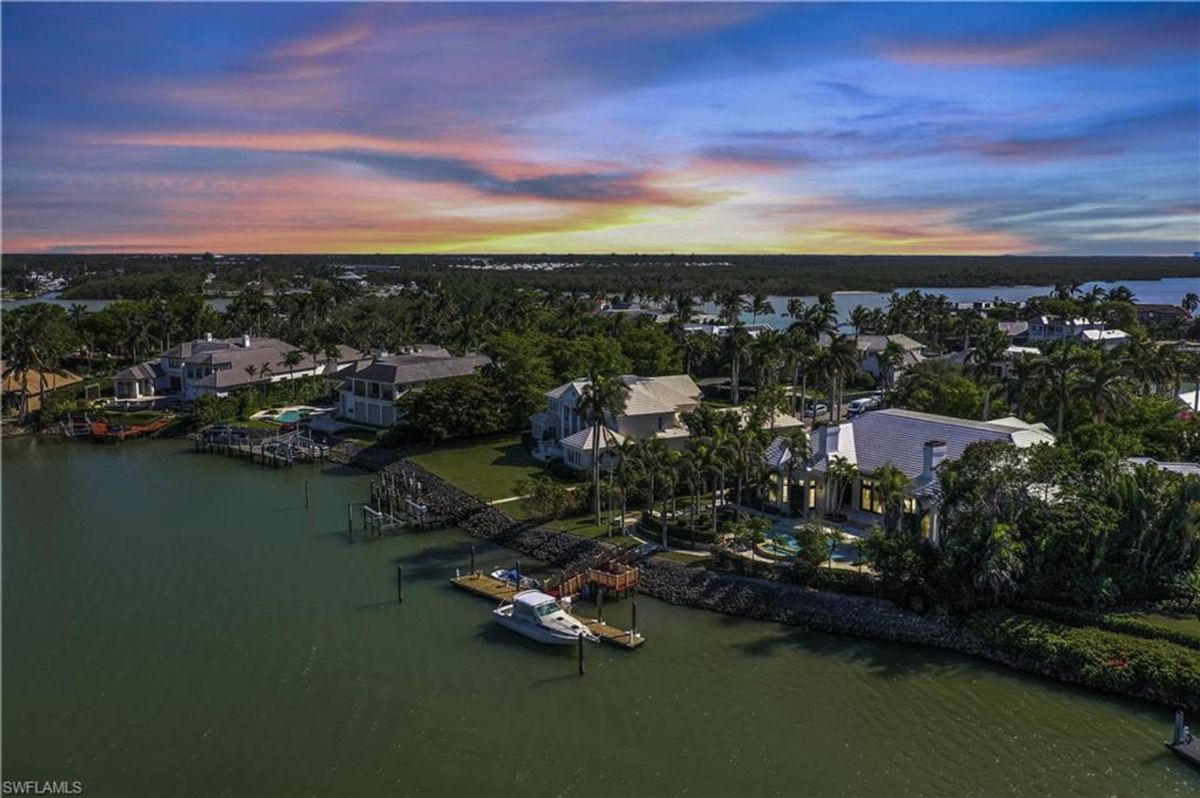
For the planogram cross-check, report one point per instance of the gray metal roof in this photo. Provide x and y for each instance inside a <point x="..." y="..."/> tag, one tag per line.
<point x="898" y="437"/>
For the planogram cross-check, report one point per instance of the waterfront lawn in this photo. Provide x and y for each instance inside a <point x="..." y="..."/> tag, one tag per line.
<point x="489" y="469"/>
<point x="682" y="557"/>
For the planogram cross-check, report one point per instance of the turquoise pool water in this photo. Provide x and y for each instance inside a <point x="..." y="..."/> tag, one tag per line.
<point x="291" y="416"/>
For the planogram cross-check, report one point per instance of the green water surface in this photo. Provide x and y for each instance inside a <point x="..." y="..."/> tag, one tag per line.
<point x="179" y="624"/>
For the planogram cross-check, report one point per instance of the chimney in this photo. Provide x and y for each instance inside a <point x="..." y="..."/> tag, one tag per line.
<point x="935" y="453"/>
<point x="208" y="336"/>
<point x="830" y="434"/>
<point x="245" y="340"/>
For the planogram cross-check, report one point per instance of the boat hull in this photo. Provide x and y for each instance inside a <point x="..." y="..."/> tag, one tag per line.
<point x="542" y="634"/>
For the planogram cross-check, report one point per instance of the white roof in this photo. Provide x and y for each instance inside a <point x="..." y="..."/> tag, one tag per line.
<point x="583" y="439"/>
<point x="1186" y="469"/>
<point x="533" y="598"/>
<point x="1103" y="335"/>
<point x="898" y="437"/>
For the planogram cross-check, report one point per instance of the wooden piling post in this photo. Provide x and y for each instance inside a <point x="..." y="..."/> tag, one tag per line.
<point x="350" y="520"/>
<point x="472" y="561"/>
<point x="633" y="624"/>
<point x="581" y="669"/>
<point x="306" y="495"/>
<point x="600" y="604"/>
<point x="518" y="576"/>
<point x="399" y="584"/>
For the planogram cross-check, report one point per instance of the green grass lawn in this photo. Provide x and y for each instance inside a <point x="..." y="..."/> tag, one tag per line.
<point x="490" y="469"/>
<point x="1181" y="622"/>
<point x="681" y="557"/>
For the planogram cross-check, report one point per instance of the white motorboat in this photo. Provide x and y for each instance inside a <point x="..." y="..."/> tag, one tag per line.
<point x="539" y="617"/>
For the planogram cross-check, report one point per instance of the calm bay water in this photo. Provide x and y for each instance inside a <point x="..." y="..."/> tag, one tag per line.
<point x="179" y="624"/>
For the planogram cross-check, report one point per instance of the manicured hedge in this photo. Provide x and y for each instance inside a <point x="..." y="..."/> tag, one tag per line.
<point x="1113" y="623"/>
<point x="1155" y="669"/>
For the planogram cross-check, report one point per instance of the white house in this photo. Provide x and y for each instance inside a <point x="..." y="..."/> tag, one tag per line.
<point x="219" y="366"/>
<point x="370" y="388"/>
<point x="1046" y="329"/>
<point x="1183" y="469"/>
<point x="721" y="330"/>
<point x="916" y="443"/>
<point x="1109" y="339"/>
<point x="653" y="409"/>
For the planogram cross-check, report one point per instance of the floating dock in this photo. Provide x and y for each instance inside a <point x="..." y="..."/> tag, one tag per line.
<point x="499" y="590"/>
<point x="1185" y="746"/>
<point x="1189" y="751"/>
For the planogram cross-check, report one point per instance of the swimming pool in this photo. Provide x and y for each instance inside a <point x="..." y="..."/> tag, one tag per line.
<point x="292" y="416"/>
<point x="784" y="545"/>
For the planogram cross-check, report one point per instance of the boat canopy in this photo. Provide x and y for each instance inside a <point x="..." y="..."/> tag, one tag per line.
<point x="532" y="598"/>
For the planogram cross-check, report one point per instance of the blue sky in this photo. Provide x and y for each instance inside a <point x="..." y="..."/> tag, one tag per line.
<point x="944" y="128"/>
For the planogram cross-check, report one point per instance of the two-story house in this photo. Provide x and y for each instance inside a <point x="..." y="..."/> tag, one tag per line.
<point x="916" y="443"/>
<point x="370" y="388"/>
<point x="219" y="366"/>
<point x="653" y="408"/>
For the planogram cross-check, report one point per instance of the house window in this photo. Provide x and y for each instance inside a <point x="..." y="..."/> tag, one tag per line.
<point x="910" y="505"/>
<point x="387" y="392"/>
<point x="867" y="499"/>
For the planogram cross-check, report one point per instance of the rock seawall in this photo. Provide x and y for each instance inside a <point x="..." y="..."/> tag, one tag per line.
<point x="732" y="594"/>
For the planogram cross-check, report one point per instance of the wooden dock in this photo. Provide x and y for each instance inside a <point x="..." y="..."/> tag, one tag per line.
<point x="499" y="590"/>
<point x="1189" y="751"/>
<point x="1185" y="746"/>
<point x="280" y="450"/>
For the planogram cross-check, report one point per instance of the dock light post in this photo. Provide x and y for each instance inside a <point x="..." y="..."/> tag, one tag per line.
<point x="399" y="584"/>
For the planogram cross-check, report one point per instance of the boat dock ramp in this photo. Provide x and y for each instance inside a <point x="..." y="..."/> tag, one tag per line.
<point x="282" y="450"/>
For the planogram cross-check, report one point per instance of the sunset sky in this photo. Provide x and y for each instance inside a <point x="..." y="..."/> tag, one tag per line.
<point x="1048" y="128"/>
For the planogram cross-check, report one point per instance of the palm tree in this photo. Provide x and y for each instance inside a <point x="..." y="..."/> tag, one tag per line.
<point x="1104" y="385"/>
<point x="889" y="360"/>
<point x="891" y="488"/>
<point x="1057" y="376"/>
<point x="759" y="304"/>
<point x="602" y="398"/>
<point x="859" y="317"/>
<point x="839" y="473"/>
<point x="990" y="348"/>
<point x="652" y="459"/>
<point x="842" y="359"/>
<point x="291" y="359"/>
<point x="737" y="343"/>
<point x="768" y="352"/>
<point x="1191" y="301"/>
<point x="731" y="305"/>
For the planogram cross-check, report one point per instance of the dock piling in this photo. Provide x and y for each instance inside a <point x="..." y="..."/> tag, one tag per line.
<point x="600" y="604"/>
<point x="472" y="560"/>
<point x="633" y="624"/>
<point x="581" y="668"/>
<point x="307" y="502"/>
<point x="399" y="584"/>
<point x="350" y="520"/>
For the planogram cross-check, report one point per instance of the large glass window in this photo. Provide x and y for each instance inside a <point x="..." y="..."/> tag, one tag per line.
<point x="867" y="499"/>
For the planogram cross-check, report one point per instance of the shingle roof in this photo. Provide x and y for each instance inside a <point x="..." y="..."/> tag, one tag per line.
<point x="408" y="369"/>
<point x="654" y="395"/>
<point x="142" y="371"/>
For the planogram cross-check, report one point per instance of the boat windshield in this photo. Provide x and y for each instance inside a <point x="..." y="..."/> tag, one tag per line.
<point x="549" y="608"/>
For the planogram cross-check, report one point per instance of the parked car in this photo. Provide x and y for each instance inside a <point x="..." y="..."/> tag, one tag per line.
<point x="816" y="411"/>
<point x="863" y="404"/>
